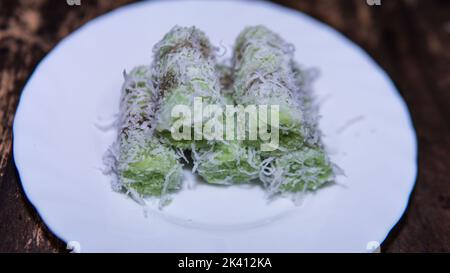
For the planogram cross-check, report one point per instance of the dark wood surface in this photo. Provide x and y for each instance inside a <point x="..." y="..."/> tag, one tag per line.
<point x="410" y="39"/>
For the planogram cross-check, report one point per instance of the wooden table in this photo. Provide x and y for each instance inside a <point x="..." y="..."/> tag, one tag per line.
<point x="410" y="39"/>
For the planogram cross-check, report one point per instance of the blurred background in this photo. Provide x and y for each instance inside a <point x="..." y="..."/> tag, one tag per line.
<point x="410" y="39"/>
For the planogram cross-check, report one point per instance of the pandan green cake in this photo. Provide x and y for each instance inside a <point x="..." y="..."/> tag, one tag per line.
<point x="146" y="158"/>
<point x="265" y="73"/>
<point x="144" y="166"/>
<point x="184" y="69"/>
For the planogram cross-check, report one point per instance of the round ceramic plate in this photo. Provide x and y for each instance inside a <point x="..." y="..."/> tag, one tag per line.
<point x="58" y="146"/>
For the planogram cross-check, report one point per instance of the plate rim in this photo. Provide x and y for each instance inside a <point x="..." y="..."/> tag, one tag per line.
<point x="28" y="192"/>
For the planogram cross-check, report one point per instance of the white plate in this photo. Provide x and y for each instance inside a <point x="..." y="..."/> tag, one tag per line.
<point x="58" y="148"/>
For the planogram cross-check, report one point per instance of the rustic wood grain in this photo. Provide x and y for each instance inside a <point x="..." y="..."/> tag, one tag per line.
<point x="410" y="39"/>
